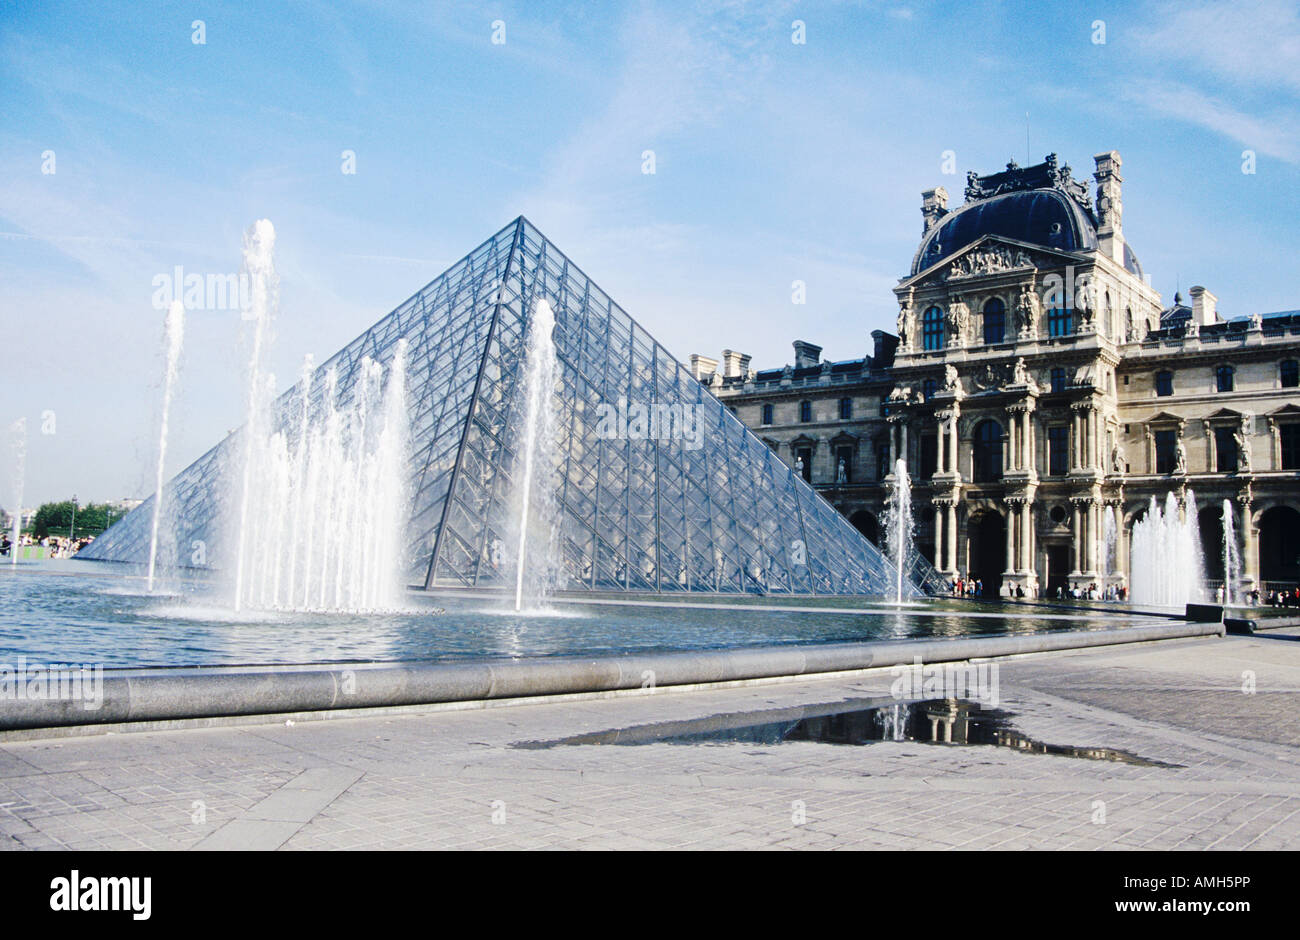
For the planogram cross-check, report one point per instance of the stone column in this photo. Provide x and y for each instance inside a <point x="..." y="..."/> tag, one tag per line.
<point x="950" y="532"/>
<point x="1076" y="539"/>
<point x="1026" y="537"/>
<point x="1010" y="564"/>
<point x="1074" y="440"/>
<point x="941" y="460"/>
<point x="939" y="546"/>
<point x="1249" y="551"/>
<point x="952" y="441"/>
<point x="1091" y="543"/>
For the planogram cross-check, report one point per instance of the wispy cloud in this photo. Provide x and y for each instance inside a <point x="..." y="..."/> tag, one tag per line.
<point x="1276" y="134"/>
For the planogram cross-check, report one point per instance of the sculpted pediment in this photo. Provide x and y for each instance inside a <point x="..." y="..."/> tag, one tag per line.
<point x="988" y="256"/>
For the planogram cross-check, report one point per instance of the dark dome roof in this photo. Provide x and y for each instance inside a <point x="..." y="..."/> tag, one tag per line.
<point x="1047" y="217"/>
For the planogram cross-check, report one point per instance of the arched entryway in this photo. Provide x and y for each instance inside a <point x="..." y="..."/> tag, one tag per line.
<point x="867" y="524"/>
<point x="1279" y="544"/>
<point x="987" y="551"/>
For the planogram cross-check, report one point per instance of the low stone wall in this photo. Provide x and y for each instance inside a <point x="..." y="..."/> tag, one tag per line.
<point x="139" y="695"/>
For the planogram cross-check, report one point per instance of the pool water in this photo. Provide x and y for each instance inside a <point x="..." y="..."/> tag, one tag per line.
<point x="69" y="611"/>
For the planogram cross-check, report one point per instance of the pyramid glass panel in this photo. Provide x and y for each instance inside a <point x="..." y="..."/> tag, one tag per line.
<point x="657" y="486"/>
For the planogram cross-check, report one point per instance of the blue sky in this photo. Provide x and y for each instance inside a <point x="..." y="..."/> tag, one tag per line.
<point x="774" y="162"/>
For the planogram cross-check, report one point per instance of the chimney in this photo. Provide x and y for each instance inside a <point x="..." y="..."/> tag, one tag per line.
<point x="806" y="354"/>
<point x="734" y="364"/>
<point x="934" y="206"/>
<point x="702" y="366"/>
<point x="883" y="347"/>
<point x="1110" y="205"/>
<point x="1204" y="306"/>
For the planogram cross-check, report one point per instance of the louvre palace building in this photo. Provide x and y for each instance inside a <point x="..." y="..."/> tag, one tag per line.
<point x="1041" y="392"/>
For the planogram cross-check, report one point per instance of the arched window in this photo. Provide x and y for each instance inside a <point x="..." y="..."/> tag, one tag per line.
<point x="1289" y="372"/>
<point x="987" y="463"/>
<point x="1223" y="378"/>
<point x="995" y="322"/>
<point x="1164" y="384"/>
<point x="932" y="329"/>
<point x="767" y="414"/>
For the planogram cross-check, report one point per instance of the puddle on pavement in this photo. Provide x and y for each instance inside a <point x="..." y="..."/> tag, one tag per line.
<point x="955" y="722"/>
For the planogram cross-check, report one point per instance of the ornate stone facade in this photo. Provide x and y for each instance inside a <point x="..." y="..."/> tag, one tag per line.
<point x="1038" y="385"/>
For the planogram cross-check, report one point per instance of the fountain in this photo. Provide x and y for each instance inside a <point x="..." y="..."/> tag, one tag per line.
<point x="1167" y="564"/>
<point x="174" y="328"/>
<point x="541" y="369"/>
<point x="259" y="265"/>
<point x="1231" y="556"/>
<point x="18" y="432"/>
<point x="320" y="517"/>
<point x="1110" y="537"/>
<point x="899" y="525"/>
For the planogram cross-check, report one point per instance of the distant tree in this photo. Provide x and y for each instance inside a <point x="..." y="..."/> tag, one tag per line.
<point x="56" y="519"/>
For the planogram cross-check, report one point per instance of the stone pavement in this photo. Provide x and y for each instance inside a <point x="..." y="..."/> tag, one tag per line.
<point x="422" y="778"/>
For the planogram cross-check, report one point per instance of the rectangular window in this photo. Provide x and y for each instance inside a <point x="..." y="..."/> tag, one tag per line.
<point x="881" y="447"/>
<point x="844" y="459"/>
<point x="1166" y="448"/>
<point x="846" y="409"/>
<point x="1058" y="450"/>
<point x="1164" y="383"/>
<point x="929" y="455"/>
<point x="767" y="414"/>
<point x="1058" y="379"/>
<point x="805" y="411"/>
<point x="1225" y="450"/>
<point x="1290" y="439"/>
<point x="805" y="454"/>
<point x="1060" y="322"/>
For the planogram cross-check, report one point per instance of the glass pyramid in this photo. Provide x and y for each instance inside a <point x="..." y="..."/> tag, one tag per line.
<point x="715" y="511"/>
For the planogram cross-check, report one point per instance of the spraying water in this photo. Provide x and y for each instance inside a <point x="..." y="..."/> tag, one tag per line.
<point x="174" y="329"/>
<point x="1167" y="567"/>
<point x="18" y="433"/>
<point x="327" y="498"/>
<point x="899" y="525"/>
<point x="1110" y="537"/>
<point x="539" y="445"/>
<point x="322" y="495"/>
<point x="1231" y="556"/>
<point x="259" y="266"/>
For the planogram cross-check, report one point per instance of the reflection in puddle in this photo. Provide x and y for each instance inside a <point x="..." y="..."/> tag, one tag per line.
<point x="860" y="721"/>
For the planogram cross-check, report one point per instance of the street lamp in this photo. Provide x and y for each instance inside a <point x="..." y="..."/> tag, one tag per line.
<point x="72" y="530"/>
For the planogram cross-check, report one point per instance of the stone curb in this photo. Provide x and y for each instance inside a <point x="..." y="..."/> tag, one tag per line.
<point x="141" y="695"/>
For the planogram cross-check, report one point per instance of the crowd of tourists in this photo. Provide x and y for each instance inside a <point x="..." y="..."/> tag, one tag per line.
<point x="54" y="546"/>
<point x="1282" y="598"/>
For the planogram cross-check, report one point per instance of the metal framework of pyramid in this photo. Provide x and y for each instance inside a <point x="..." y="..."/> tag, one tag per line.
<point x="635" y="515"/>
